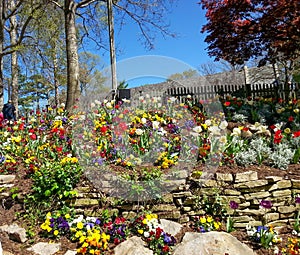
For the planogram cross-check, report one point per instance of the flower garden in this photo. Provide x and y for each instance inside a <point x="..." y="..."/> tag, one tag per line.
<point x="142" y="144"/>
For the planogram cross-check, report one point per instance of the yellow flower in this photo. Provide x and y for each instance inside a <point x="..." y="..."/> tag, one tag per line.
<point x="105" y="237"/>
<point x="82" y="239"/>
<point x="203" y="220"/>
<point x="287" y="130"/>
<point x="85" y="244"/>
<point x="67" y="216"/>
<point x="140" y="231"/>
<point x="209" y="219"/>
<point x="80" y="225"/>
<point x="55" y="232"/>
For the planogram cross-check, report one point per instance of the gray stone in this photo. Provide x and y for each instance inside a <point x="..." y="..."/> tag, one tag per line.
<point x="43" y="248"/>
<point x="133" y="246"/>
<point x="15" y="232"/>
<point x="171" y="227"/>
<point x="216" y="243"/>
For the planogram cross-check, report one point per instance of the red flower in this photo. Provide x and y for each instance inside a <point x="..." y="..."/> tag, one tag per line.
<point x="158" y="232"/>
<point x="21" y="126"/>
<point x="291" y="119"/>
<point x="33" y="136"/>
<point x="165" y="248"/>
<point x="103" y="129"/>
<point x="273" y="127"/>
<point x="227" y="103"/>
<point x="277" y="137"/>
<point x="296" y="134"/>
<point x="58" y="149"/>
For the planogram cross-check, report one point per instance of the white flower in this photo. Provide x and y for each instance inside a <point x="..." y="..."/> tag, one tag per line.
<point x="189" y="96"/>
<point x="208" y="123"/>
<point x="93" y="105"/>
<point x="146" y="234"/>
<point x="62" y="105"/>
<point x="223" y="125"/>
<point x="161" y="131"/>
<point x="236" y="132"/>
<point x="139" y="131"/>
<point x="108" y="105"/>
<point x="141" y="98"/>
<point x="125" y="100"/>
<point x="197" y="129"/>
<point x="97" y="102"/>
<point x="143" y="120"/>
<point x="223" y="139"/>
<point x="172" y="99"/>
<point x="155" y="124"/>
<point x="214" y="130"/>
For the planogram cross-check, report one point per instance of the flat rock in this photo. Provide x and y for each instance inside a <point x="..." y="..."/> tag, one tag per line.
<point x="216" y="243"/>
<point x="43" y="248"/>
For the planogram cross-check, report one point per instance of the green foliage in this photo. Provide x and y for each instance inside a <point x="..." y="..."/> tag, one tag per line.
<point x="53" y="185"/>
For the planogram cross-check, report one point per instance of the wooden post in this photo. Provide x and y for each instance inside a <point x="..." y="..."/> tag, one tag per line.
<point x="112" y="48"/>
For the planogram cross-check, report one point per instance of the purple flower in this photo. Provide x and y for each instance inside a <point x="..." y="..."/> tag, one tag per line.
<point x="297" y="200"/>
<point x="233" y="205"/>
<point x="267" y="204"/>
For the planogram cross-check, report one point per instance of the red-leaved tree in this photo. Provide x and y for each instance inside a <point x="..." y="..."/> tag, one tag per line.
<point x="239" y="30"/>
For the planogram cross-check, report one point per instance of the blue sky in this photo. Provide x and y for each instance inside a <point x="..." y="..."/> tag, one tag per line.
<point x="186" y="20"/>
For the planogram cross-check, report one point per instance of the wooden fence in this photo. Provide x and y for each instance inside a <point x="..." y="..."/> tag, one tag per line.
<point x="211" y="91"/>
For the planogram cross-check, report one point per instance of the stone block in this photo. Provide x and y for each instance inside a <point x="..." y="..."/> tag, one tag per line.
<point x="82" y="202"/>
<point x="224" y="177"/>
<point x="282" y="193"/>
<point x="250" y="185"/>
<point x="296" y="183"/>
<point x="246" y="176"/>
<point x="257" y="195"/>
<point x="163" y="208"/>
<point x="286" y="209"/>
<point x="232" y="192"/>
<point x="273" y="179"/>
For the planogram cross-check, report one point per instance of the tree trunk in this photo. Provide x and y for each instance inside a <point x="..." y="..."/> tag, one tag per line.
<point x="14" y="60"/>
<point x="56" y="84"/>
<point x="73" y="86"/>
<point x="1" y="55"/>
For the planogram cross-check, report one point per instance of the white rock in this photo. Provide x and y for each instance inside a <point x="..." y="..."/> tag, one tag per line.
<point x="216" y="243"/>
<point x="133" y="246"/>
<point x="45" y="248"/>
<point x="170" y="227"/>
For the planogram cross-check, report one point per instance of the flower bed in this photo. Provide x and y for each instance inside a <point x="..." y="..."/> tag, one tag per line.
<point x="257" y="132"/>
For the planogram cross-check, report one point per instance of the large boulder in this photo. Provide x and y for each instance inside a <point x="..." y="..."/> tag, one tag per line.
<point x="133" y="246"/>
<point x="216" y="243"/>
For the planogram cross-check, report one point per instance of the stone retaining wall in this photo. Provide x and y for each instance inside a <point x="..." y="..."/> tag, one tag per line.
<point x="185" y="202"/>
